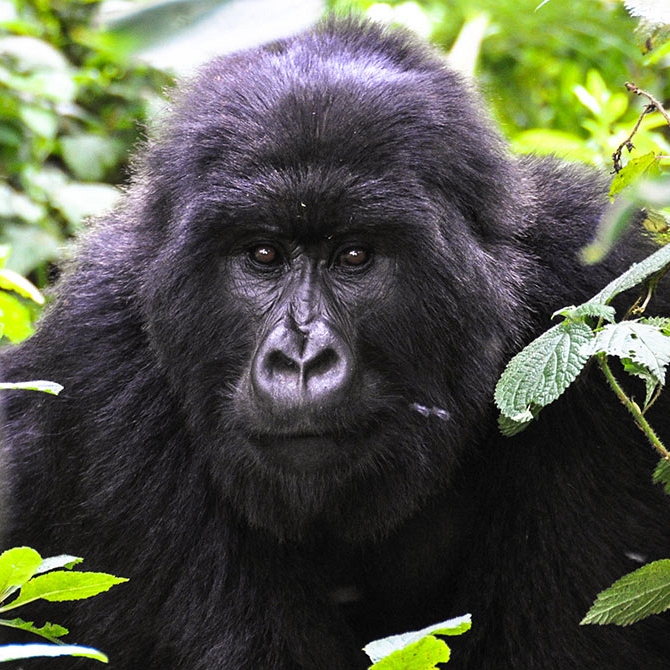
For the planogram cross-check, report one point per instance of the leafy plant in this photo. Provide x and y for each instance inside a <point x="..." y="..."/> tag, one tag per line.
<point x="26" y="577"/>
<point x="541" y="372"/>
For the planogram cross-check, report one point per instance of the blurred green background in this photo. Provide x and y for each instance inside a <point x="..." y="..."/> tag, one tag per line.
<point x="81" y="79"/>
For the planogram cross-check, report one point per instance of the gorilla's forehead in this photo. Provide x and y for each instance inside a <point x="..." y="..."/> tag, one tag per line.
<point x="327" y="133"/>
<point x="320" y="201"/>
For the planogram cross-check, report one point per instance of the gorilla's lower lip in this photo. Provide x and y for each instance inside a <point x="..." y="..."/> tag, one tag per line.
<point x="291" y="438"/>
<point x="302" y="451"/>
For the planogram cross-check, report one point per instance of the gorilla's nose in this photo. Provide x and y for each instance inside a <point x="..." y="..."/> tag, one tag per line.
<point x="308" y="366"/>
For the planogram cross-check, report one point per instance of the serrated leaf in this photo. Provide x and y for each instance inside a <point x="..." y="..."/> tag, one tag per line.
<point x="15" y="652"/>
<point x="637" y="370"/>
<point x="379" y="649"/>
<point x="645" y="344"/>
<point x="51" y="631"/>
<point x="510" y="427"/>
<point x="17" y="566"/>
<point x="580" y="312"/>
<point x="662" y="475"/>
<point x="633" y="597"/>
<point x="542" y="371"/>
<point x="636" y="274"/>
<point x="660" y="322"/>
<point x="59" y="586"/>
<point x="425" y="654"/>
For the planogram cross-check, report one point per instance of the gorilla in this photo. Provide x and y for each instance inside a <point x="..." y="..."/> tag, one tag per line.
<point x="279" y="356"/>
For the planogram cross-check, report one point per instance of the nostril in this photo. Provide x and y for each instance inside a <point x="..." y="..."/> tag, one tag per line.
<point x="278" y="361"/>
<point x="321" y="364"/>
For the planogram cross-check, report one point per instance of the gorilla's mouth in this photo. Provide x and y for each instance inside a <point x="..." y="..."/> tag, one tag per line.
<point x="307" y="451"/>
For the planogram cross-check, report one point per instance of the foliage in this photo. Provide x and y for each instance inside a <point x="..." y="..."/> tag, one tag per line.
<point x="541" y="372"/>
<point x="633" y="597"/>
<point x="69" y="111"/>
<point x="26" y="577"/>
<point x="553" y="72"/>
<point x="420" y="650"/>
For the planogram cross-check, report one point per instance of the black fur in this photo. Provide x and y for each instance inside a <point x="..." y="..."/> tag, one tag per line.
<point x="274" y="526"/>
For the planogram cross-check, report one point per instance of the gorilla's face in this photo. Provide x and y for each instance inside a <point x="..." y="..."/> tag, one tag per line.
<point x="321" y="288"/>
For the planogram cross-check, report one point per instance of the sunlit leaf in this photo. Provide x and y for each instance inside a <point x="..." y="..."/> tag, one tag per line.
<point x="633" y="597"/>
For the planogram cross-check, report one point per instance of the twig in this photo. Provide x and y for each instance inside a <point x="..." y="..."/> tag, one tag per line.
<point x="657" y="105"/>
<point x="653" y="106"/>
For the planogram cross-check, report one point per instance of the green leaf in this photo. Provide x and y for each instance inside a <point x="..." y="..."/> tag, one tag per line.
<point x="17" y="566"/>
<point x="635" y="275"/>
<point x="633" y="171"/>
<point x="78" y="201"/>
<point x="59" y="586"/>
<point x="662" y="475"/>
<point x="422" y="655"/>
<point x="649" y="379"/>
<point x="13" y="281"/>
<point x="15" y="318"/>
<point x="542" y="371"/>
<point x="14" y="652"/>
<point x="380" y="649"/>
<point x="633" y="597"/>
<point x="588" y="309"/>
<point x="509" y="427"/>
<point x="90" y="156"/>
<point x="660" y="322"/>
<point x="644" y="344"/>
<point x="38" y="385"/>
<point x="64" y="560"/>
<point x="50" y="631"/>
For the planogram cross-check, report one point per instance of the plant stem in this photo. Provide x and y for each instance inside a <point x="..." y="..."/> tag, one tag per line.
<point x="632" y="407"/>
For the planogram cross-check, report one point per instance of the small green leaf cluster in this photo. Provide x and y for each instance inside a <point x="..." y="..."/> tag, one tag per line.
<point x="419" y="650"/>
<point x="26" y="577"/>
<point x="541" y="372"/>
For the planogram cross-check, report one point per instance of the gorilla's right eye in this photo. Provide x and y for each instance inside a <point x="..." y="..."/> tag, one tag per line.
<point x="265" y="254"/>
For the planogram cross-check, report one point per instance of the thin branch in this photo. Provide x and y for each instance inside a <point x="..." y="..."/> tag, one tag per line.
<point x="653" y="106"/>
<point x="657" y="105"/>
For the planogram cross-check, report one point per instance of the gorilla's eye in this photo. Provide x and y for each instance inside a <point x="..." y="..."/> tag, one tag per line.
<point x="264" y="254"/>
<point x="354" y="257"/>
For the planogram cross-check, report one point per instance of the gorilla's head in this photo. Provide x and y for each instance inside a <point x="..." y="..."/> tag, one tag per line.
<point x="329" y="280"/>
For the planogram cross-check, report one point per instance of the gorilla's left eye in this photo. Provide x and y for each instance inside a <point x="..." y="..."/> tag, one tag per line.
<point x="354" y="257"/>
<point x="265" y="254"/>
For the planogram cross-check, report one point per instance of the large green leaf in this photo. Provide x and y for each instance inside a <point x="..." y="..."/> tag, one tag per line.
<point x="540" y="373"/>
<point x="635" y="596"/>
